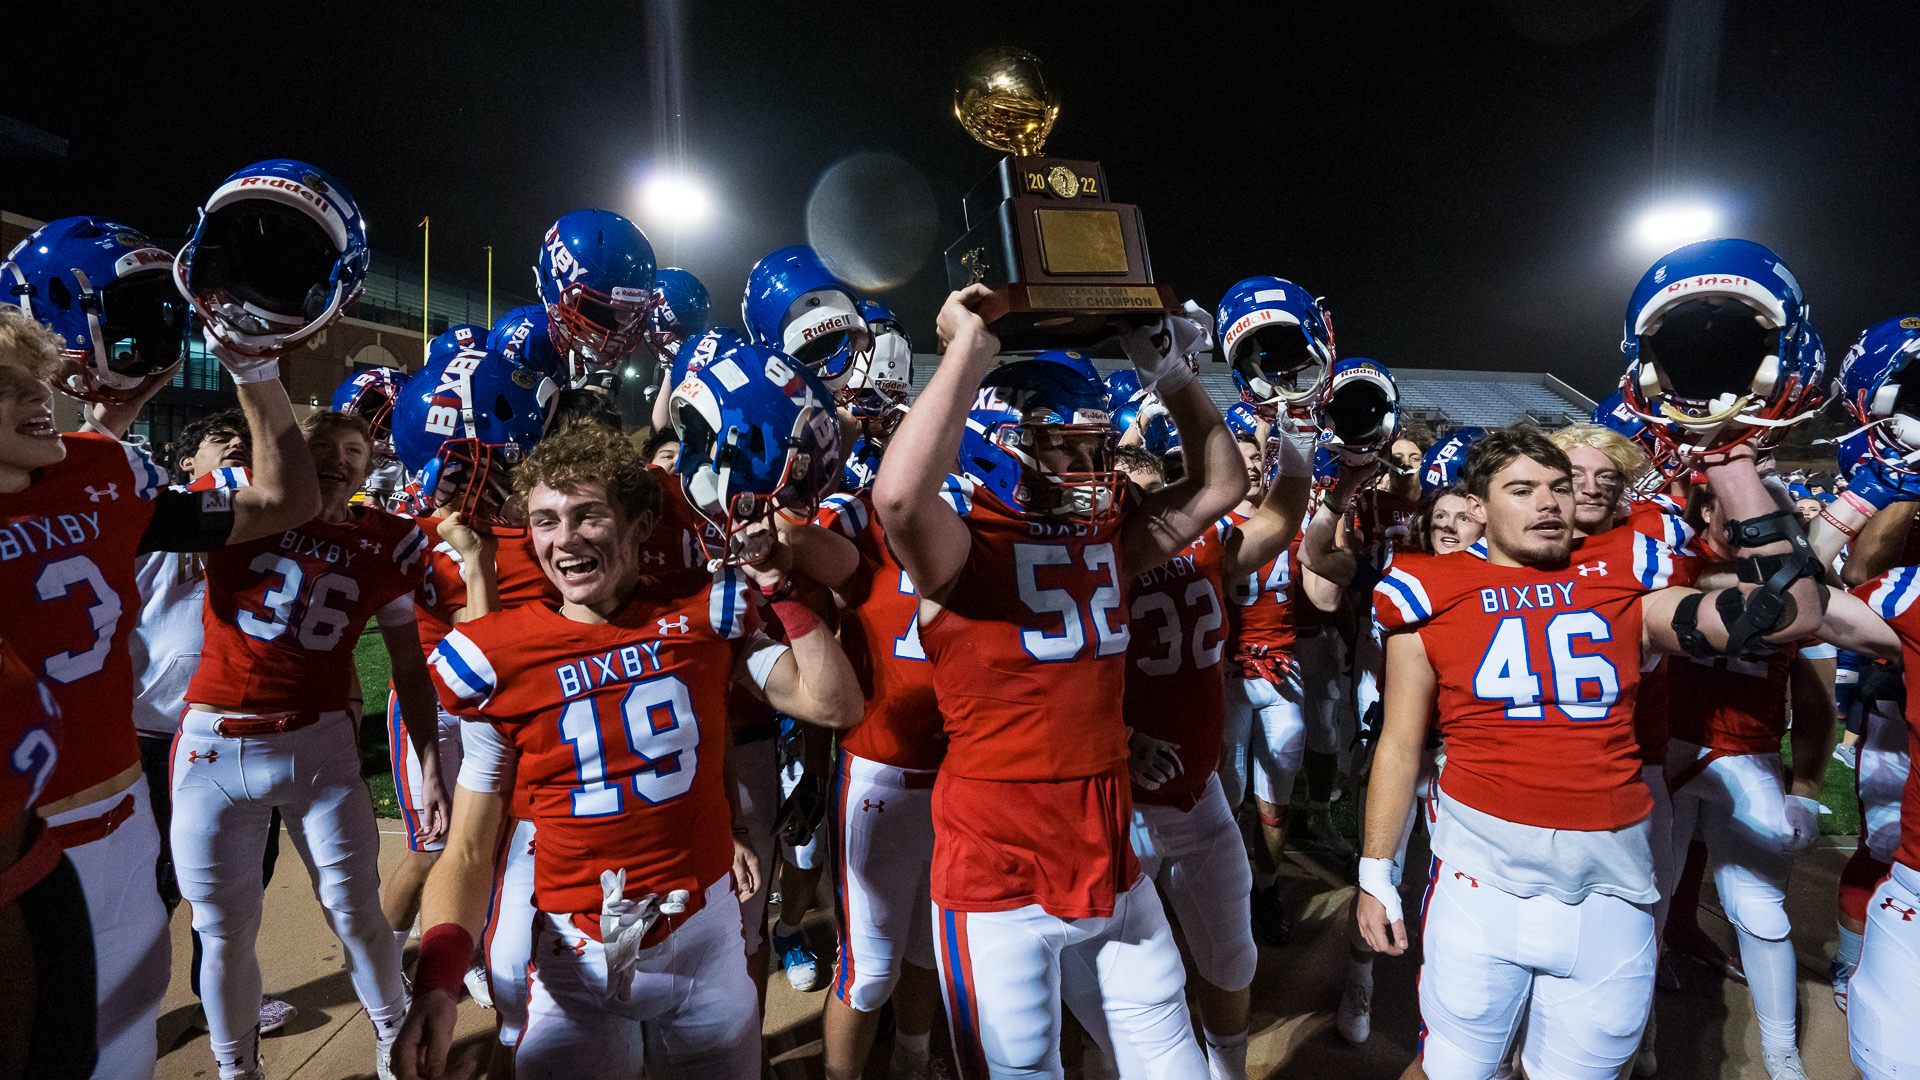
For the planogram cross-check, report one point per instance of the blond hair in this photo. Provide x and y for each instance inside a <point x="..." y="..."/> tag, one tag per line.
<point x="1626" y="456"/>
<point x="584" y="454"/>
<point x="332" y="420"/>
<point x="29" y="352"/>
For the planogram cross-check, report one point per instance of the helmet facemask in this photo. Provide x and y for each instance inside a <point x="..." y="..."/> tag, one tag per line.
<point x="474" y="479"/>
<point x="744" y="518"/>
<point x="603" y="329"/>
<point x="1713" y="369"/>
<point x="1067" y="470"/>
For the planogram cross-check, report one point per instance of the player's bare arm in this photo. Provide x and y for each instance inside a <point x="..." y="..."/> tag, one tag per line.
<point x="820" y="554"/>
<point x="746" y="865"/>
<point x="813" y="681"/>
<point x="1408" y="693"/>
<point x="925" y="532"/>
<point x="285" y="491"/>
<point x="478" y="571"/>
<point x="1878" y="548"/>
<point x="1851" y="624"/>
<point x="1216" y="481"/>
<point x="1277" y="520"/>
<point x="1812" y="730"/>
<point x="420" y="714"/>
<point x="1322" y="548"/>
<point x="453" y="907"/>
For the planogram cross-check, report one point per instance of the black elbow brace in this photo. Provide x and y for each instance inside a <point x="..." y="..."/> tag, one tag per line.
<point x="1750" y="616"/>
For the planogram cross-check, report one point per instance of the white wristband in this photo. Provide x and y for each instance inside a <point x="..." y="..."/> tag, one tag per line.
<point x="1176" y="375"/>
<point x="1380" y="879"/>
<point x="1292" y="462"/>
<point x="253" y="373"/>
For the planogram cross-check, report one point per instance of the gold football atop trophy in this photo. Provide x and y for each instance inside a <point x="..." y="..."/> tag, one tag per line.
<point x="1066" y="267"/>
<point x="1004" y="101"/>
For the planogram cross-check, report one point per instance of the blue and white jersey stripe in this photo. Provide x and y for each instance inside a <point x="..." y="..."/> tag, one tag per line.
<point x="464" y="669"/>
<point x="728" y="603"/>
<point x="1652" y="562"/>
<point x="849" y="512"/>
<point x="958" y="491"/>
<point x="230" y="477"/>
<point x="1896" y="592"/>
<point x="410" y="549"/>
<point x="1227" y="528"/>
<point x="148" y="478"/>
<point x="1405" y="593"/>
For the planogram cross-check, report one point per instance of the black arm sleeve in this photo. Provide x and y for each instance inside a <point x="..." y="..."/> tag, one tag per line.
<point x="189" y="521"/>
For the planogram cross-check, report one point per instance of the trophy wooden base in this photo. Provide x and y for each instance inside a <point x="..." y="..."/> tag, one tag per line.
<point x="1028" y="316"/>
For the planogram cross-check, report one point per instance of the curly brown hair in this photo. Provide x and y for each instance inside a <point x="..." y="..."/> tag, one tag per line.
<point x="29" y="352"/>
<point x="591" y="454"/>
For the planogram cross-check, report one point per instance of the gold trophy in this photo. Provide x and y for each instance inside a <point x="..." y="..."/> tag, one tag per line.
<point x="1067" y="267"/>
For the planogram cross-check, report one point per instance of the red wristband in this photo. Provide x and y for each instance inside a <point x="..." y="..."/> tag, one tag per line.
<point x="796" y="618"/>
<point x="1865" y="508"/>
<point x="1846" y="530"/>
<point x="446" y="951"/>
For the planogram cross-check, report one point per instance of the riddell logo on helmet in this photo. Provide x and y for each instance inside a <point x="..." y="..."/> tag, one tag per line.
<point x="1710" y="281"/>
<point x="1247" y="322"/>
<point x="311" y="198"/>
<point x="838" y="322"/>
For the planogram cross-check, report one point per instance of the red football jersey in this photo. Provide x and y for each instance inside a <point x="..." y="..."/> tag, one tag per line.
<point x="29" y="736"/>
<point x="880" y="630"/>
<point x="284" y="612"/>
<point x="1029" y="660"/>
<point x="1733" y="705"/>
<point x="1176" y="677"/>
<point x="1262" y="612"/>
<point x="67" y="547"/>
<point x="1380" y="521"/>
<point x="621" y="729"/>
<point x="443" y="591"/>
<point x="1892" y="595"/>
<point x="1538" y="671"/>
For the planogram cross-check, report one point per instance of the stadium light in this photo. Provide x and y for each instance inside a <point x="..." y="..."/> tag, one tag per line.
<point x="675" y="199"/>
<point x="1669" y="226"/>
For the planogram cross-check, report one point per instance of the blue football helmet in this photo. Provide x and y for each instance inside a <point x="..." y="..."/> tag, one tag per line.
<point x="1359" y="407"/>
<point x="106" y="292"/>
<point x="1027" y="407"/>
<point x="1719" y="348"/>
<point x="1160" y="436"/>
<point x="521" y="336"/>
<point x="1440" y="468"/>
<point x="758" y="433"/>
<point x="1326" y="467"/>
<point x="886" y="368"/>
<point x="280" y="253"/>
<point x="1243" y="420"/>
<point x="464" y="421"/>
<point x="863" y="465"/>
<point x="794" y="303"/>
<point x="681" y="311"/>
<point x="1881" y="389"/>
<point x="1121" y="385"/>
<point x="595" y="275"/>
<point x="714" y="342"/>
<point x="370" y="395"/>
<point x="1279" y="341"/>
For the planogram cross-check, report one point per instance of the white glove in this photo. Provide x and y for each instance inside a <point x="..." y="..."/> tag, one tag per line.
<point x="623" y="923"/>
<point x="1150" y="407"/>
<point x="1380" y="879"/>
<point x="1803" y="819"/>
<point x="243" y="368"/>
<point x="1291" y="462"/>
<point x="1161" y="351"/>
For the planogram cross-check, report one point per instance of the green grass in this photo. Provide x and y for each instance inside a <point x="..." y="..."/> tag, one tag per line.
<point x="1836" y="794"/>
<point x="370" y="656"/>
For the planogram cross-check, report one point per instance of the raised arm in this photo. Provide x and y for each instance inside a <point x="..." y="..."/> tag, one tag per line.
<point x="285" y="491"/>
<point x="925" y="531"/>
<point x="812" y="680"/>
<point x="1322" y="549"/>
<point x="1216" y="476"/>
<point x="1274" y="524"/>
<point x="1407" y="701"/>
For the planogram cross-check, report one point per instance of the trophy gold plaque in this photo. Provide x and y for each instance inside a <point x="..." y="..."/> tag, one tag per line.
<point x="1067" y="267"/>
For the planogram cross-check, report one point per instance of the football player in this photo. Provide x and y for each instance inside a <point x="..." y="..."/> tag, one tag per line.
<point x="1542" y="639"/>
<point x="480" y="561"/>
<point x="1175" y="706"/>
<point x="267" y="725"/>
<point x="609" y="714"/>
<point x="1037" y="892"/>
<point x="77" y="510"/>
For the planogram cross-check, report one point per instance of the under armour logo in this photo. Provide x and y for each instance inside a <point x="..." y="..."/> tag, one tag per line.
<point x="1598" y="566"/>
<point x="675" y="626"/>
<point x="1906" y="913"/>
<point x="1470" y="881"/>
<point x="877" y="807"/>
<point x="654" y="557"/>
<point x="95" y="494"/>
<point x="195" y="757"/>
<point x="370" y="545"/>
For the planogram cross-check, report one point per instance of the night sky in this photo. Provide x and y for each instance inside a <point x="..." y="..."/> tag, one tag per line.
<point x="1455" y="177"/>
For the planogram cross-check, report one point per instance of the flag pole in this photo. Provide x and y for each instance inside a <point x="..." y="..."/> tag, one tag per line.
<point x="426" y="264"/>
<point x="489" y="286"/>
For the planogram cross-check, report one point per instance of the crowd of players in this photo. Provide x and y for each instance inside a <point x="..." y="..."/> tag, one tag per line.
<point x="1028" y="670"/>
